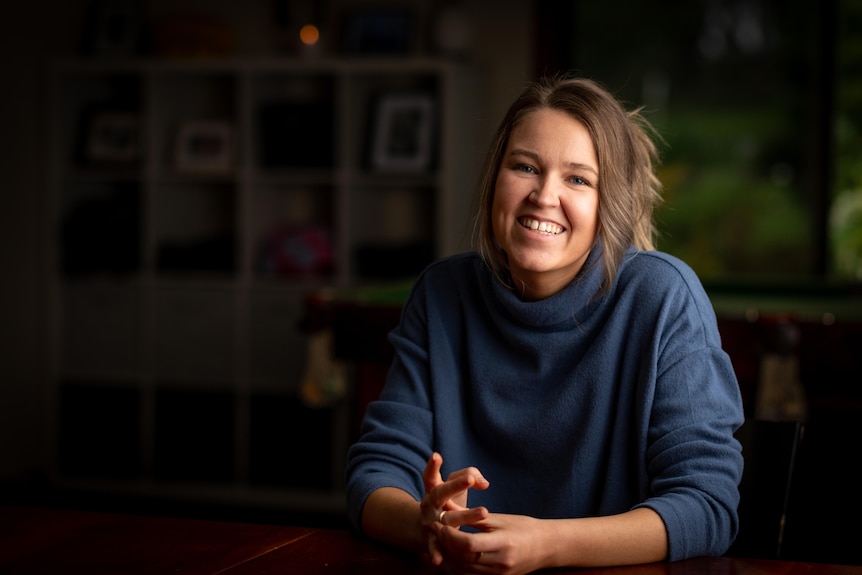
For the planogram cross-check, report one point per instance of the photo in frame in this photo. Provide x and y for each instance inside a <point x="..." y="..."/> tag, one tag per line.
<point x="403" y="132"/>
<point x="205" y="147"/>
<point x="114" y="28"/>
<point x="378" y="31"/>
<point x="114" y="137"/>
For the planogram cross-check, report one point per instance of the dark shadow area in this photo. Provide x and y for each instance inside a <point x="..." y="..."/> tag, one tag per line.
<point x="41" y="494"/>
<point x="770" y="450"/>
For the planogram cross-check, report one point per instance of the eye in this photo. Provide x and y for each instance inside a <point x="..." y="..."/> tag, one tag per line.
<point x="524" y="168"/>
<point x="577" y="180"/>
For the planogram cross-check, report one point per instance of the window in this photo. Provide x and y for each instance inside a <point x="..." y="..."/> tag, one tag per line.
<point x="845" y="222"/>
<point x="759" y="103"/>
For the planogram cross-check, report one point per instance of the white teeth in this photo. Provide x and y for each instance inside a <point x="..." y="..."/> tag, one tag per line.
<point x="543" y="227"/>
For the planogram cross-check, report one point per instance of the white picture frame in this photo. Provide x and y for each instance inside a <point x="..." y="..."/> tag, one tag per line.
<point x="114" y="137"/>
<point x="205" y="147"/>
<point x="403" y="132"/>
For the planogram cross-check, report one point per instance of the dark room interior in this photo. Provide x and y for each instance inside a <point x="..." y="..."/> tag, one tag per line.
<point x="212" y="216"/>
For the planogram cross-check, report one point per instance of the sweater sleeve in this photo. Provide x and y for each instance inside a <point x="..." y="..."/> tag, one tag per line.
<point x="396" y="435"/>
<point x="694" y="461"/>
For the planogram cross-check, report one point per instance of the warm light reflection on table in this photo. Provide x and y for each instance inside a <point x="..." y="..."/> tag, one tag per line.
<point x="62" y="541"/>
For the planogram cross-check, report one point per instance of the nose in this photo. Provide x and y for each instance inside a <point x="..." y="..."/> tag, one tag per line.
<point x="544" y="194"/>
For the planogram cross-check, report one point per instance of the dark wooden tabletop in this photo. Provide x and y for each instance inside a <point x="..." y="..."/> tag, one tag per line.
<point x="66" y="542"/>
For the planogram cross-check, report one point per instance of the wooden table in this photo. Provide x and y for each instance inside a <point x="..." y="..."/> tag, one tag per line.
<point x="64" y="542"/>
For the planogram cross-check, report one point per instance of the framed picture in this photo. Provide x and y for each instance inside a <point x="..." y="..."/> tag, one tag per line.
<point x="377" y="31"/>
<point x="403" y="133"/>
<point x="205" y="147"/>
<point x="114" y="27"/>
<point x="114" y="137"/>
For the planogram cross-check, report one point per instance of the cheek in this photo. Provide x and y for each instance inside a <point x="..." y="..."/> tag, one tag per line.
<point x="499" y="211"/>
<point x="591" y="212"/>
<point x="497" y="218"/>
<point x="584" y="213"/>
<point x="588" y="205"/>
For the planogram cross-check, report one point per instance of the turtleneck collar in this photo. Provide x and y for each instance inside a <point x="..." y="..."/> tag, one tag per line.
<point x="571" y="304"/>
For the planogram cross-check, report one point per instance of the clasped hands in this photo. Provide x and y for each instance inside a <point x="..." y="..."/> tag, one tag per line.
<point x="498" y="543"/>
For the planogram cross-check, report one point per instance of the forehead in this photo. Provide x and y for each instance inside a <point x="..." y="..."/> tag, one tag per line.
<point x="547" y="118"/>
<point x="552" y="131"/>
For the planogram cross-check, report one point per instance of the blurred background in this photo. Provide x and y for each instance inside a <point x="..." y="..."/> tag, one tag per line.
<point x="212" y="211"/>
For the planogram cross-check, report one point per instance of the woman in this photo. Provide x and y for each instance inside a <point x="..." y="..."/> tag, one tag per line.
<point x="567" y="379"/>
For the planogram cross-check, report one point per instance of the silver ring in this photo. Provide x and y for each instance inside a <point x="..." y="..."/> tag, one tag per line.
<point x="440" y="515"/>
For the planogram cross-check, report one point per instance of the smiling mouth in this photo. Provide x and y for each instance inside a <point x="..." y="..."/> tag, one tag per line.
<point x="541" y="227"/>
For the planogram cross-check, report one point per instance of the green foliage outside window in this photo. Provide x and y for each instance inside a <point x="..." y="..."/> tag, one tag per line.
<point x="729" y="209"/>
<point x="742" y="92"/>
<point x="846" y="215"/>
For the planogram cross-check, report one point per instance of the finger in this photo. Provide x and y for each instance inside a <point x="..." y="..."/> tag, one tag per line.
<point x="478" y="480"/>
<point x="434" y="554"/>
<point x="452" y="494"/>
<point x="466" y="544"/>
<point x="468" y="566"/>
<point x="482" y="566"/>
<point x="471" y="552"/>
<point x="458" y="518"/>
<point x="431" y="476"/>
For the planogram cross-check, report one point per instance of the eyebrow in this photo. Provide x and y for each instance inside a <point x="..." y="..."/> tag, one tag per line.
<point x="534" y="156"/>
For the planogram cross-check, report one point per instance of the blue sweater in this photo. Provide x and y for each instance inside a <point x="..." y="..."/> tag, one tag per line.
<point x="573" y="406"/>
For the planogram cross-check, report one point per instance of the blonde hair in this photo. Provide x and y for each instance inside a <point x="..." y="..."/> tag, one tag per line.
<point x="627" y="155"/>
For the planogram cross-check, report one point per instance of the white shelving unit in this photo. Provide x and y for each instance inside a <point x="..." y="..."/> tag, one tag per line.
<point x="178" y="351"/>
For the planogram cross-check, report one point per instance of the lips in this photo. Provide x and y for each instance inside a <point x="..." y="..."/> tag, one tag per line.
<point x="548" y="228"/>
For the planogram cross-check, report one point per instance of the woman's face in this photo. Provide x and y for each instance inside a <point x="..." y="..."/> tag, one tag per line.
<point x="546" y="201"/>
